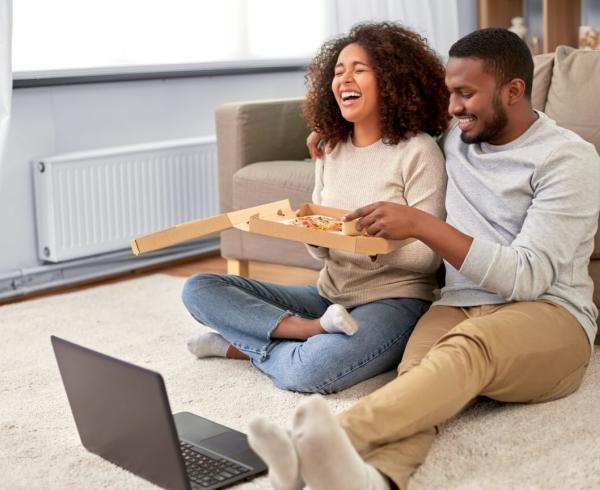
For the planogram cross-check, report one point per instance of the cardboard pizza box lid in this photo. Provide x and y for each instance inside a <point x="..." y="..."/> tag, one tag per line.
<point x="191" y="230"/>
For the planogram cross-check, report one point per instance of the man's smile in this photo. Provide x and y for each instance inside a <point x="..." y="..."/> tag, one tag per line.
<point x="465" y="123"/>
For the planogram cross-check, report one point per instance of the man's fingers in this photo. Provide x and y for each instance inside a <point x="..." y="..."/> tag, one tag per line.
<point x="382" y="234"/>
<point x="366" y="223"/>
<point x="315" y="152"/>
<point x="314" y="145"/>
<point x="312" y="150"/>
<point x="374" y="229"/>
<point x="360" y="212"/>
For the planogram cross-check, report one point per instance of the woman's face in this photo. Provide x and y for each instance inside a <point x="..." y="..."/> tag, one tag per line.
<point x="354" y="86"/>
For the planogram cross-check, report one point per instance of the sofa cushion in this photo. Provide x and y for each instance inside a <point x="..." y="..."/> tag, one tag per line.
<point x="542" y="74"/>
<point x="250" y="246"/>
<point x="263" y="182"/>
<point x="573" y="100"/>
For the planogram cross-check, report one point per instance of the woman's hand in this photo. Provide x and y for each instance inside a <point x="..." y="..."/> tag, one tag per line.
<point x="387" y="220"/>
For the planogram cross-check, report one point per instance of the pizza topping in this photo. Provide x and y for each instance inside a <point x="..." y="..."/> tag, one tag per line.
<point x="317" y="222"/>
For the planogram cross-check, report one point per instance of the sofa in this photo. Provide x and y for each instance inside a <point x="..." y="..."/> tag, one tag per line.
<point x="262" y="153"/>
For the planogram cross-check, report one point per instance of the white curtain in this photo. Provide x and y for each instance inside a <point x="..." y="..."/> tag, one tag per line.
<point x="436" y="20"/>
<point x="5" y="73"/>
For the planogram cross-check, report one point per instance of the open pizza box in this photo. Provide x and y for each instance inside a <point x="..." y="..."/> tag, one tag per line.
<point x="271" y="219"/>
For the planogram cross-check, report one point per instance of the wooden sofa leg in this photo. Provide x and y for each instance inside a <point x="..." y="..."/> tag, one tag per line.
<point x="238" y="267"/>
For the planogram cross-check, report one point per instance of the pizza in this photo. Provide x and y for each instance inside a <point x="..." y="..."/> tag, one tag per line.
<point x="325" y="223"/>
<point x="318" y="222"/>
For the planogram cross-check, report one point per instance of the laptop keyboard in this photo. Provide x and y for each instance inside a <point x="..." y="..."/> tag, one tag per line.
<point x="207" y="471"/>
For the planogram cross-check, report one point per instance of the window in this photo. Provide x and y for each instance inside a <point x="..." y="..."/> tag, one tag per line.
<point x="55" y="35"/>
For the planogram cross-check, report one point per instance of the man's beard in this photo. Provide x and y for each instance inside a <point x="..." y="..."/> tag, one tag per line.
<point x="492" y="128"/>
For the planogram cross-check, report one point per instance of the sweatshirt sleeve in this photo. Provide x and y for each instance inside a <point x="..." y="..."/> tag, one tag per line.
<point x="424" y="189"/>
<point x="563" y="214"/>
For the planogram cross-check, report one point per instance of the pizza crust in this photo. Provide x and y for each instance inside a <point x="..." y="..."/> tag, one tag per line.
<point x="349" y="228"/>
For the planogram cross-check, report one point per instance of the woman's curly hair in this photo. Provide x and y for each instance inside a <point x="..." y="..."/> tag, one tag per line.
<point x="410" y="78"/>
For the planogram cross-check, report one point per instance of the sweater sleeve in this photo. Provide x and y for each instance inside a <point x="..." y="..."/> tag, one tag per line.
<point x="563" y="214"/>
<point x="424" y="189"/>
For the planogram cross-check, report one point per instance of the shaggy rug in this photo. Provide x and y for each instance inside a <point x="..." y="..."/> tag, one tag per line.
<point x="492" y="446"/>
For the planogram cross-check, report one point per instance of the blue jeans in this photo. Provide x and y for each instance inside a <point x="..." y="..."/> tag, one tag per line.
<point x="245" y="312"/>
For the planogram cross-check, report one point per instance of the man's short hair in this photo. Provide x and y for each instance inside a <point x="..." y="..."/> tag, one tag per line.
<point x="504" y="54"/>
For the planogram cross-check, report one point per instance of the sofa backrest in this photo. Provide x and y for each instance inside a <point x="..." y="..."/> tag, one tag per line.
<point x="573" y="99"/>
<point x="566" y="87"/>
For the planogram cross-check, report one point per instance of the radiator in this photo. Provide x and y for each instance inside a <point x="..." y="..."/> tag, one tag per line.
<point x="94" y="202"/>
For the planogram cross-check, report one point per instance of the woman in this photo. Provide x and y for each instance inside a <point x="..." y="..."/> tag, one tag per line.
<point x="378" y="97"/>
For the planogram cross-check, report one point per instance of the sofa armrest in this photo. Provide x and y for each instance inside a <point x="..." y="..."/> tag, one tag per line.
<point x="249" y="132"/>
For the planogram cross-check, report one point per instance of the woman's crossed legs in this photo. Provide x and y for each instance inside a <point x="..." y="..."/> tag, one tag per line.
<point x="282" y="330"/>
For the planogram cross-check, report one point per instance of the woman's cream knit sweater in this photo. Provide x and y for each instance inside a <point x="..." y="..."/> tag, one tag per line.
<point x="412" y="173"/>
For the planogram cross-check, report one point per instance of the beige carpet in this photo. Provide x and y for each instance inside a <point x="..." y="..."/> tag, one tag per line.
<point x="548" y="446"/>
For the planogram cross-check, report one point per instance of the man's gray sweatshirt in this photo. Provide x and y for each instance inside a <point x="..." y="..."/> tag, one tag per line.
<point x="532" y="207"/>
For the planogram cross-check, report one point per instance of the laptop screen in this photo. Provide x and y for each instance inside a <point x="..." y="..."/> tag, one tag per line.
<point x="122" y="413"/>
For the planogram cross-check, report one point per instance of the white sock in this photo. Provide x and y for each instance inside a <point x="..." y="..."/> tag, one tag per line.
<point x="337" y="319"/>
<point x="327" y="458"/>
<point x="274" y="445"/>
<point x="209" y="344"/>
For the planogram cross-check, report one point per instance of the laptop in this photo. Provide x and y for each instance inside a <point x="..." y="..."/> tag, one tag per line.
<point x="122" y="414"/>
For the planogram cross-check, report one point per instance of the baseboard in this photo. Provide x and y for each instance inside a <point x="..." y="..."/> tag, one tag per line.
<point x="48" y="276"/>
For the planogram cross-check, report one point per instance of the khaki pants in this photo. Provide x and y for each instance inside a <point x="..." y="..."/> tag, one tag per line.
<point x="516" y="352"/>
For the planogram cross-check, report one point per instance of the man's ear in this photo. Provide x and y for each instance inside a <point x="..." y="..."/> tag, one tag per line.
<point x="516" y="90"/>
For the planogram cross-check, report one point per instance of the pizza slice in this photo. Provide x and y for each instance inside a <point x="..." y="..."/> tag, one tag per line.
<point x="318" y="222"/>
<point x="326" y="223"/>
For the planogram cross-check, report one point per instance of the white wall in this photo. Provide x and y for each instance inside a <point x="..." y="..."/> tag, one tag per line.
<point x="52" y="120"/>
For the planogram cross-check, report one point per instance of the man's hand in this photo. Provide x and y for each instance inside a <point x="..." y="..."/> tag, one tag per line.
<point x="313" y="142"/>
<point x="398" y="222"/>
<point x="316" y="145"/>
<point x="386" y="220"/>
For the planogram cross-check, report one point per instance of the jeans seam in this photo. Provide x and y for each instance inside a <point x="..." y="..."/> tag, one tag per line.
<point x="270" y="301"/>
<point x="369" y="359"/>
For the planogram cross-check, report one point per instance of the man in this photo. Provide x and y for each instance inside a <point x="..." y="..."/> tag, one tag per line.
<point x="515" y="321"/>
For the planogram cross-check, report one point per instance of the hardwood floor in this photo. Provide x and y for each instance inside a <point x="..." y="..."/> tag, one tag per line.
<point x="258" y="270"/>
<point x="208" y="263"/>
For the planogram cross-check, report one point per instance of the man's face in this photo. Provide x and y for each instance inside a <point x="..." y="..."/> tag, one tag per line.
<point x="476" y="101"/>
